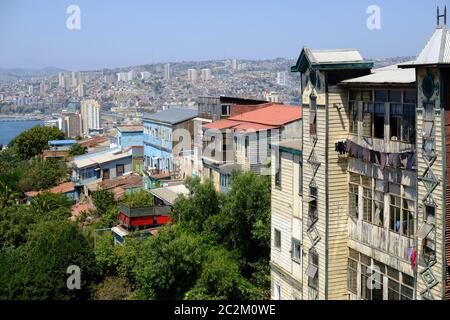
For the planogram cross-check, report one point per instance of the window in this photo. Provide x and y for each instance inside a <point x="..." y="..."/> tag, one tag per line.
<point x="367" y="119"/>
<point x="353" y="117"/>
<point x="278" y="170"/>
<point x="378" y="121"/>
<point x="277" y="293"/>
<point x="395" y="207"/>
<point x="277" y="239"/>
<point x="296" y="251"/>
<point x="213" y="146"/>
<point x="247" y="144"/>
<point x="371" y="280"/>
<point x="352" y="279"/>
<point x="300" y="177"/>
<point x="354" y="196"/>
<point x="409" y="117"/>
<point x="408" y="221"/>
<point x="367" y="199"/>
<point x="312" y="212"/>
<point x="225" y="110"/>
<point x="378" y="201"/>
<point x="428" y="130"/>
<point x="395" y="213"/>
<point x="402" y="211"/>
<point x="430" y="213"/>
<point x="224" y="180"/>
<point x="313" y="117"/>
<point x="313" y="270"/>
<point x="396" y="121"/>
<point x="120" y="170"/>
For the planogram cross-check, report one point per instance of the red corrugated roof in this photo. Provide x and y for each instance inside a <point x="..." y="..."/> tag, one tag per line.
<point x="271" y="117"/>
<point x="62" y="188"/>
<point x="222" y="124"/>
<point x="253" y="127"/>
<point x="274" y="115"/>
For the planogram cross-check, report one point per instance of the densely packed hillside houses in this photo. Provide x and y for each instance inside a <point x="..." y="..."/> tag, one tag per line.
<point x="360" y="206"/>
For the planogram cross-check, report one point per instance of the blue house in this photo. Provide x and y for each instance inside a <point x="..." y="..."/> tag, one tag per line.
<point x="129" y="136"/>
<point x="96" y="167"/>
<point x="158" y="138"/>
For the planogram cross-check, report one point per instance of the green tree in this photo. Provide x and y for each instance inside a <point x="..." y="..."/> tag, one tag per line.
<point x="103" y="201"/>
<point x="51" y="207"/>
<point x="113" y="288"/>
<point x="43" y="175"/>
<point x="15" y="222"/>
<point x="105" y="255"/>
<point x="203" y="203"/>
<point x="244" y="221"/>
<point x="138" y="199"/>
<point x="51" y="248"/>
<point x="221" y="279"/>
<point x="8" y="197"/>
<point x="32" y="142"/>
<point x="77" y="150"/>
<point x="169" y="264"/>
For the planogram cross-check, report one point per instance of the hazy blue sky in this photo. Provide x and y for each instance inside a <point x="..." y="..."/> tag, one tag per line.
<point x="118" y="33"/>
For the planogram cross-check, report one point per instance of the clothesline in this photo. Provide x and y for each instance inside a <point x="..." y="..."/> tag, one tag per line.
<point x="407" y="159"/>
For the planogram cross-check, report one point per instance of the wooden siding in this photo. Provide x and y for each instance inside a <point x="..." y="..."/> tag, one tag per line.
<point x="338" y="196"/>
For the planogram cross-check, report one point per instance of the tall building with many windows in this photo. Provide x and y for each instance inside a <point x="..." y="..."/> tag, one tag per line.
<point x="374" y="221"/>
<point x="90" y="115"/>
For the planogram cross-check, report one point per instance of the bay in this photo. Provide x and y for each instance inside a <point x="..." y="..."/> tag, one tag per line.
<point x="10" y="129"/>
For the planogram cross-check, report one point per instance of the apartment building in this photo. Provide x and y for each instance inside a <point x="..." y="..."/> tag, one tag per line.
<point x="287" y="218"/>
<point x="168" y="139"/>
<point x="243" y="142"/>
<point x="374" y="222"/>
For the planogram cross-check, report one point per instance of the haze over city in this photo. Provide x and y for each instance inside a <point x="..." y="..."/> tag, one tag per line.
<point x="119" y="34"/>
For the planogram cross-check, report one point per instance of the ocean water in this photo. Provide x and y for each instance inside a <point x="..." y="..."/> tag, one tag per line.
<point x="10" y="129"/>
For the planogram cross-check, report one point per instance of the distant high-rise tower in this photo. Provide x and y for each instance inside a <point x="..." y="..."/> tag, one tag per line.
<point x="61" y="79"/>
<point x="234" y="64"/>
<point x="192" y="74"/>
<point x="206" y="74"/>
<point x="281" y="78"/>
<point x="167" y="72"/>
<point x="81" y="90"/>
<point x="43" y="88"/>
<point x="30" y="90"/>
<point x="90" y="114"/>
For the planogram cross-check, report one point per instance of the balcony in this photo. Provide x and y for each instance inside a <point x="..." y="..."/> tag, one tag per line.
<point x="380" y="239"/>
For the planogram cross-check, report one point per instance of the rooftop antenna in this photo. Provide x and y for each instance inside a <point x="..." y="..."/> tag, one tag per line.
<point x="439" y="16"/>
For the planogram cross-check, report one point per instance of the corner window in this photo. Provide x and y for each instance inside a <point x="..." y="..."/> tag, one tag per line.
<point x="278" y="171"/>
<point x="296" y="251"/>
<point x="277" y="239"/>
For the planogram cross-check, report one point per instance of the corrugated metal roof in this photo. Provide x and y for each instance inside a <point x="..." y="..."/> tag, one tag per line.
<point x="95" y="159"/>
<point x="387" y="75"/>
<point x="275" y="115"/>
<point x="171" y="193"/>
<point x="335" y="56"/>
<point x="436" y="51"/>
<point x="253" y="127"/>
<point x="172" y="116"/>
<point x="61" y="142"/>
<point x="130" y="128"/>
<point x="222" y="124"/>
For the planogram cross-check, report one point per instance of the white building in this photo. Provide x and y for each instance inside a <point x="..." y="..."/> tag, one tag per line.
<point x="206" y="74"/>
<point x="145" y="75"/>
<point x="281" y="78"/>
<point x="234" y="64"/>
<point x="192" y="74"/>
<point x="167" y="72"/>
<point x="90" y="114"/>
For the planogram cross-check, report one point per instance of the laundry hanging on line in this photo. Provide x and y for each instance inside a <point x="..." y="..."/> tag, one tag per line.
<point x="406" y="160"/>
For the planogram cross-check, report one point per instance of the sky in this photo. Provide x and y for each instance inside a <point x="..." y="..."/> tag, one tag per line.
<point x="120" y="33"/>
